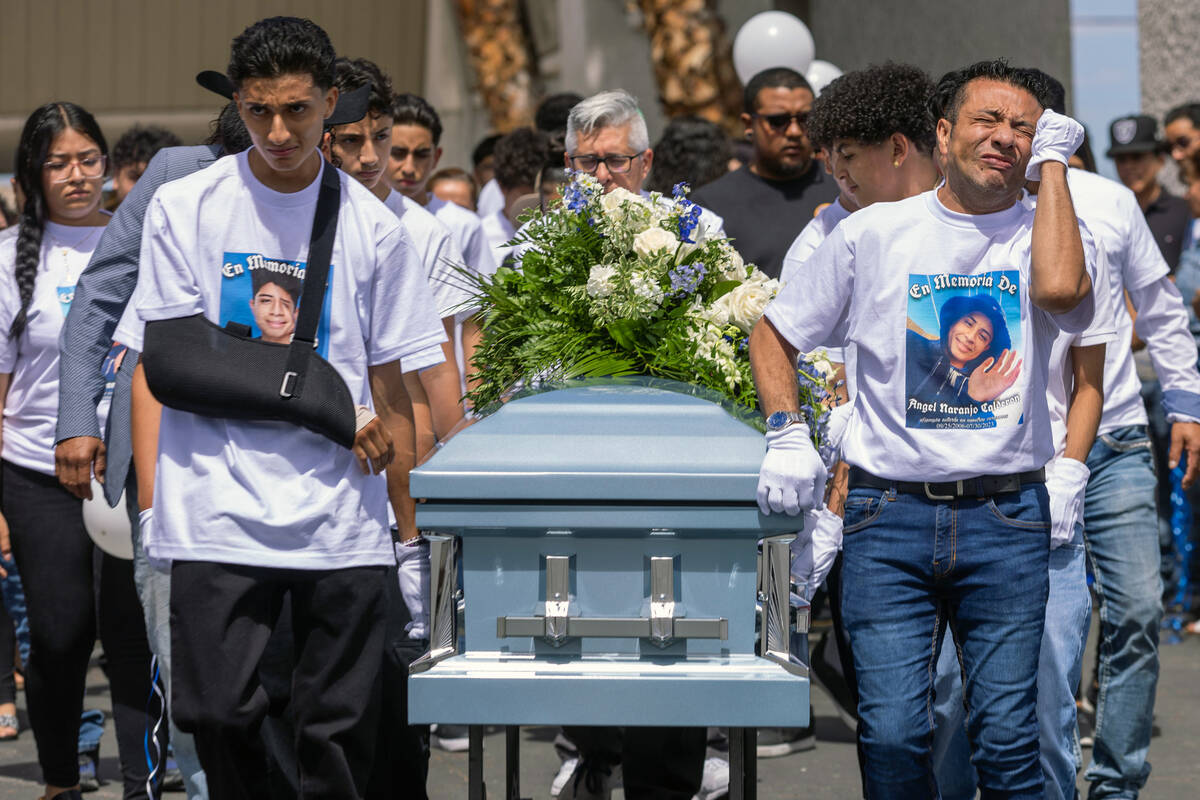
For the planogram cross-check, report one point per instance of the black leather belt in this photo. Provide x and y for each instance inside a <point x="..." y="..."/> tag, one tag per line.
<point x="978" y="486"/>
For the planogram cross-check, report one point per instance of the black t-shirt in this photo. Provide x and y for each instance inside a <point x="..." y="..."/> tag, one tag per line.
<point x="764" y="217"/>
<point x="1168" y="218"/>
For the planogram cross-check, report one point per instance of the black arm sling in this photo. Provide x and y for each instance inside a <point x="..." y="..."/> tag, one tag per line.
<point x="193" y="365"/>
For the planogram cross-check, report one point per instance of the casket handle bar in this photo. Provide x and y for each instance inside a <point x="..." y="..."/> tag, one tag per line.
<point x="662" y="626"/>
<point x="443" y="602"/>
<point x="775" y="620"/>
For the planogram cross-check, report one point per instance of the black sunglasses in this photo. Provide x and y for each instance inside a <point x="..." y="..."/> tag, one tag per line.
<point x="781" y="122"/>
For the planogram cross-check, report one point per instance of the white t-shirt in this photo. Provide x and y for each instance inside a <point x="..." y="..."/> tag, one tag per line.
<point x="1114" y="217"/>
<point x="438" y="252"/>
<point x="467" y="230"/>
<point x="927" y="296"/>
<point x="491" y="199"/>
<point x="498" y="231"/>
<point x="31" y="407"/>
<point x="1102" y="330"/>
<point x="272" y="493"/>
<point x="816" y="231"/>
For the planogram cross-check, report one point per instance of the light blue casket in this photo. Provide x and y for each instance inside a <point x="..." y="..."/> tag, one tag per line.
<point x="610" y="572"/>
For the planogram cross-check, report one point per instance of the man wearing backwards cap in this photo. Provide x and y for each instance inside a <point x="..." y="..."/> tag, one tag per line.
<point x="101" y="296"/>
<point x="1139" y="156"/>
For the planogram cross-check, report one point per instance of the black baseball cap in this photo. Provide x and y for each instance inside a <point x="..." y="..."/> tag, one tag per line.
<point x="1137" y="133"/>
<point x="351" y="106"/>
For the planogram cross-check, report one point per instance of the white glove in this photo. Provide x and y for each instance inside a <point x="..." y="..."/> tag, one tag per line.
<point x="839" y="417"/>
<point x="412" y="560"/>
<point x="815" y="548"/>
<point x="1056" y="138"/>
<point x="1066" y="483"/>
<point x="792" y="477"/>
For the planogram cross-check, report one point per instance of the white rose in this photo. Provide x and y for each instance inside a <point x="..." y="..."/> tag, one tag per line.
<point x="746" y="304"/>
<point x="600" y="280"/>
<point x="653" y="240"/>
<point x="611" y="202"/>
<point x="758" y="276"/>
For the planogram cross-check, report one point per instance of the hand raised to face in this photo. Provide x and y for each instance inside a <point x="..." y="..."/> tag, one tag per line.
<point x="993" y="377"/>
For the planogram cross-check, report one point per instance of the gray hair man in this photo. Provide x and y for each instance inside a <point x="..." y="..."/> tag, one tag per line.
<point x="607" y="137"/>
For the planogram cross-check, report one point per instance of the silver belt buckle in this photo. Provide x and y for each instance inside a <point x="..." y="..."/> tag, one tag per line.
<point x="932" y="496"/>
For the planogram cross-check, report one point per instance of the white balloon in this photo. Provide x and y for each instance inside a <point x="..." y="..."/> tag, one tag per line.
<point x="771" y="39"/>
<point x="820" y="74"/>
<point x="108" y="527"/>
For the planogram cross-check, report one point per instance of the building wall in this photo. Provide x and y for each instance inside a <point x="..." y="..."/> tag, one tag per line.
<point x="939" y="36"/>
<point x="1169" y="44"/>
<point x="135" y="60"/>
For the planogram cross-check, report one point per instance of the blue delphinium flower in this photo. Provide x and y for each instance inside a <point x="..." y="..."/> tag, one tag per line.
<point x="689" y="220"/>
<point x="577" y="194"/>
<point x="686" y="278"/>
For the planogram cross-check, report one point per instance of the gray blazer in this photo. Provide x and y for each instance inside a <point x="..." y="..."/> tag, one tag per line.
<point x="101" y="295"/>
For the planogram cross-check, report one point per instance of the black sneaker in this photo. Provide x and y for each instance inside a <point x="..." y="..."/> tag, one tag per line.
<point x="452" y="738"/>
<point x="1086" y="716"/>
<point x="776" y="742"/>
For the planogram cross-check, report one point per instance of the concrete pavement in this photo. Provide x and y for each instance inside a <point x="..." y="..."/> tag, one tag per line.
<point x="829" y="771"/>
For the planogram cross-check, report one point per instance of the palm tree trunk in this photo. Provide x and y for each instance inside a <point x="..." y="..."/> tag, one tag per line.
<point x="501" y="59"/>
<point x="693" y="61"/>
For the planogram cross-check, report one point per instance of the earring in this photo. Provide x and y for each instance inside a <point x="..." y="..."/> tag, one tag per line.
<point x="896" y="163"/>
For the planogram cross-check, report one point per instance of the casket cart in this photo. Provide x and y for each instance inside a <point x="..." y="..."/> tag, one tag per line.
<point x="606" y="536"/>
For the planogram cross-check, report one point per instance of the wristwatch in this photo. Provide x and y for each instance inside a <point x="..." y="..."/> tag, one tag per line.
<point x="781" y="419"/>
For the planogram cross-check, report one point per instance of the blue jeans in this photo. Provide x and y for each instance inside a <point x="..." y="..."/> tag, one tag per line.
<point x="912" y="566"/>
<point x="1121" y="534"/>
<point x="1060" y="662"/>
<point x="154" y="590"/>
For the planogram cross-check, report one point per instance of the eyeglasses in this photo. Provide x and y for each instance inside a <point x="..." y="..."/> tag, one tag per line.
<point x="89" y="167"/>
<point x="781" y="122"/>
<point x="615" y="164"/>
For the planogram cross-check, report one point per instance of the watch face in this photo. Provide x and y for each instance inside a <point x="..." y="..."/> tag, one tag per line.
<point x="777" y="420"/>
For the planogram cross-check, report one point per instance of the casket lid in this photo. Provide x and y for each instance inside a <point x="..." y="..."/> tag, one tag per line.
<point x="611" y="440"/>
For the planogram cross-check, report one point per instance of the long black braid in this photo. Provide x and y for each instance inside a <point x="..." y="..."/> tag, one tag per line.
<point x="40" y="129"/>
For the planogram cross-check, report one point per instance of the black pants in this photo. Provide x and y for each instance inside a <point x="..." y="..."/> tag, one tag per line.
<point x="222" y="616"/>
<point x="656" y="763"/>
<point x="402" y="760"/>
<point x="401" y="764"/>
<point x="69" y="585"/>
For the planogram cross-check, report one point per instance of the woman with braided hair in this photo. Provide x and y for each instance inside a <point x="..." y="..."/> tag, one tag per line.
<point x="61" y="168"/>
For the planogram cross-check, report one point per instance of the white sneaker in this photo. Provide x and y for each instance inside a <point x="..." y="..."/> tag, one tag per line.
<point x="588" y="783"/>
<point x="565" y="770"/>
<point x="716" y="780"/>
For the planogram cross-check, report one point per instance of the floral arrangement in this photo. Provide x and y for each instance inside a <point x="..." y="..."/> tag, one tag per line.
<point x="620" y="284"/>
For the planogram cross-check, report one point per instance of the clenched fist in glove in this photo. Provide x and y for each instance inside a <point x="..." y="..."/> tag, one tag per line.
<point x="413" y="568"/>
<point x="815" y="548"/>
<point x="792" y="477"/>
<point x="1056" y="138"/>
<point x="1066" y="483"/>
